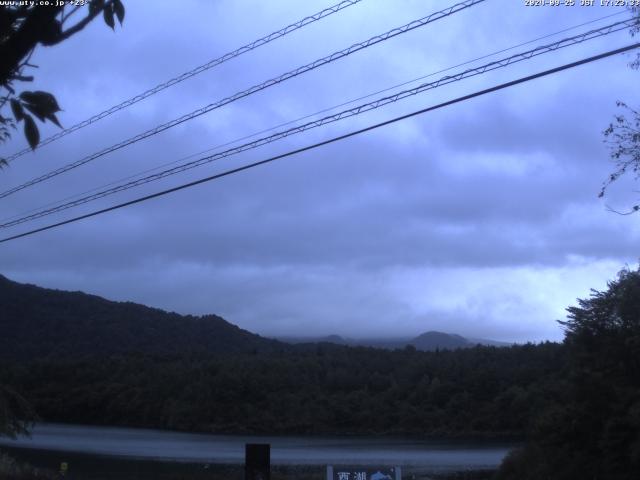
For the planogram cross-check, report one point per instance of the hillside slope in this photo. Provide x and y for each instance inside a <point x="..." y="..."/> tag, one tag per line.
<point x="37" y="322"/>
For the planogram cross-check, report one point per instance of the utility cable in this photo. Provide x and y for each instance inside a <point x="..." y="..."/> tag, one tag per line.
<point x="329" y="141"/>
<point x="305" y="117"/>
<point x="615" y="27"/>
<point x="191" y="73"/>
<point x="256" y="88"/>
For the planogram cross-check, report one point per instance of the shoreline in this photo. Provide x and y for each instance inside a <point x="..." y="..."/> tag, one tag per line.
<point x="84" y="466"/>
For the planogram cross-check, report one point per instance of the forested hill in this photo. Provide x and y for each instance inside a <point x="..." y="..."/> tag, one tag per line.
<point x="79" y="358"/>
<point x="37" y="322"/>
<point x="327" y="389"/>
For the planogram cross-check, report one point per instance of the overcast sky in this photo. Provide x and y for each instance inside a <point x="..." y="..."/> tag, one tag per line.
<point x="480" y="219"/>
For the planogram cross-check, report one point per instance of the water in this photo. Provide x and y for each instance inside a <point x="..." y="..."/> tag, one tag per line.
<point x="128" y="443"/>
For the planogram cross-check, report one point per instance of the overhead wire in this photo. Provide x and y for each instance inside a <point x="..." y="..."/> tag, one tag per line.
<point x="256" y="88"/>
<point x="193" y="72"/>
<point x="311" y="115"/>
<point x="329" y="141"/>
<point x="504" y="62"/>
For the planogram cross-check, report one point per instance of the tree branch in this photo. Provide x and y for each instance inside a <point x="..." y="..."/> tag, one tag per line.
<point x="20" y="43"/>
<point x="82" y="23"/>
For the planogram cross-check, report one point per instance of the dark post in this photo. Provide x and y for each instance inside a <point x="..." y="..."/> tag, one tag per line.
<point x="257" y="461"/>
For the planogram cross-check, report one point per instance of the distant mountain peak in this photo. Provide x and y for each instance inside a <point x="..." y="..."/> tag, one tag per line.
<point x="433" y="340"/>
<point x="430" y="340"/>
<point x="334" y="338"/>
<point x="437" y="334"/>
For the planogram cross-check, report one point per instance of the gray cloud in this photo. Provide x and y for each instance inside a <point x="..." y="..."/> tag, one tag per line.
<point x="480" y="219"/>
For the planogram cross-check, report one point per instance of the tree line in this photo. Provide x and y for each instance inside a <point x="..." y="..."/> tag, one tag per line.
<point x="312" y="389"/>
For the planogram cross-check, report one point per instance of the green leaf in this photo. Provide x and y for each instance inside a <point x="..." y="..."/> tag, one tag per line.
<point x="36" y="110"/>
<point x="43" y="101"/>
<point x="16" y="108"/>
<point x="118" y="8"/>
<point x="52" y="117"/>
<point x="31" y="132"/>
<point x="107" y="13"/>
<point x="41" y="104"/>
<point x="95" y="6"/>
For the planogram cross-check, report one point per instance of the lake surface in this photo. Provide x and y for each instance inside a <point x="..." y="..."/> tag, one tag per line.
<point x="229" y="449"/>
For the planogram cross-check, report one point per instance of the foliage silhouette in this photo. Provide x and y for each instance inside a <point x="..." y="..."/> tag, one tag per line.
<point x="23" y="27"/>
<point x="623" y="135"/>
<point x="592" y="429"/>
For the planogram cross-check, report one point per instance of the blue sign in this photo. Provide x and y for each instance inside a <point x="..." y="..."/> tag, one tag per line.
<point x="363" y="473"/>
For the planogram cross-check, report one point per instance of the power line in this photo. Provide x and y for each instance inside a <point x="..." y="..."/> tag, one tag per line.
<point x="256" y="88"/>
<point x="329" y="141"/>
<point x="305" y="117"/>
<point x="291" y="122"/>
<point x="576" y="39"/>
<point x="191" y="73"/>
<point x="333" y="118"/>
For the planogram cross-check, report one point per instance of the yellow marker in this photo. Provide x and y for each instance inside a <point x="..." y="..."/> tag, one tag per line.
<point x="64" y="466"/>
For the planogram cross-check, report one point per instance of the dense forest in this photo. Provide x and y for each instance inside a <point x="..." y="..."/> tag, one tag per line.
<point x="319" y="388"/>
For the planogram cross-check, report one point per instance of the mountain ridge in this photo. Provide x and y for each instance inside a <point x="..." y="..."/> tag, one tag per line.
<point x="427" y="341"/>
<point x="41" y="322"/>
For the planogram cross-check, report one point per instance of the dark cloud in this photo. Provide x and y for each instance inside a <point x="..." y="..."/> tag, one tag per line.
<point x="480" y="219"/>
